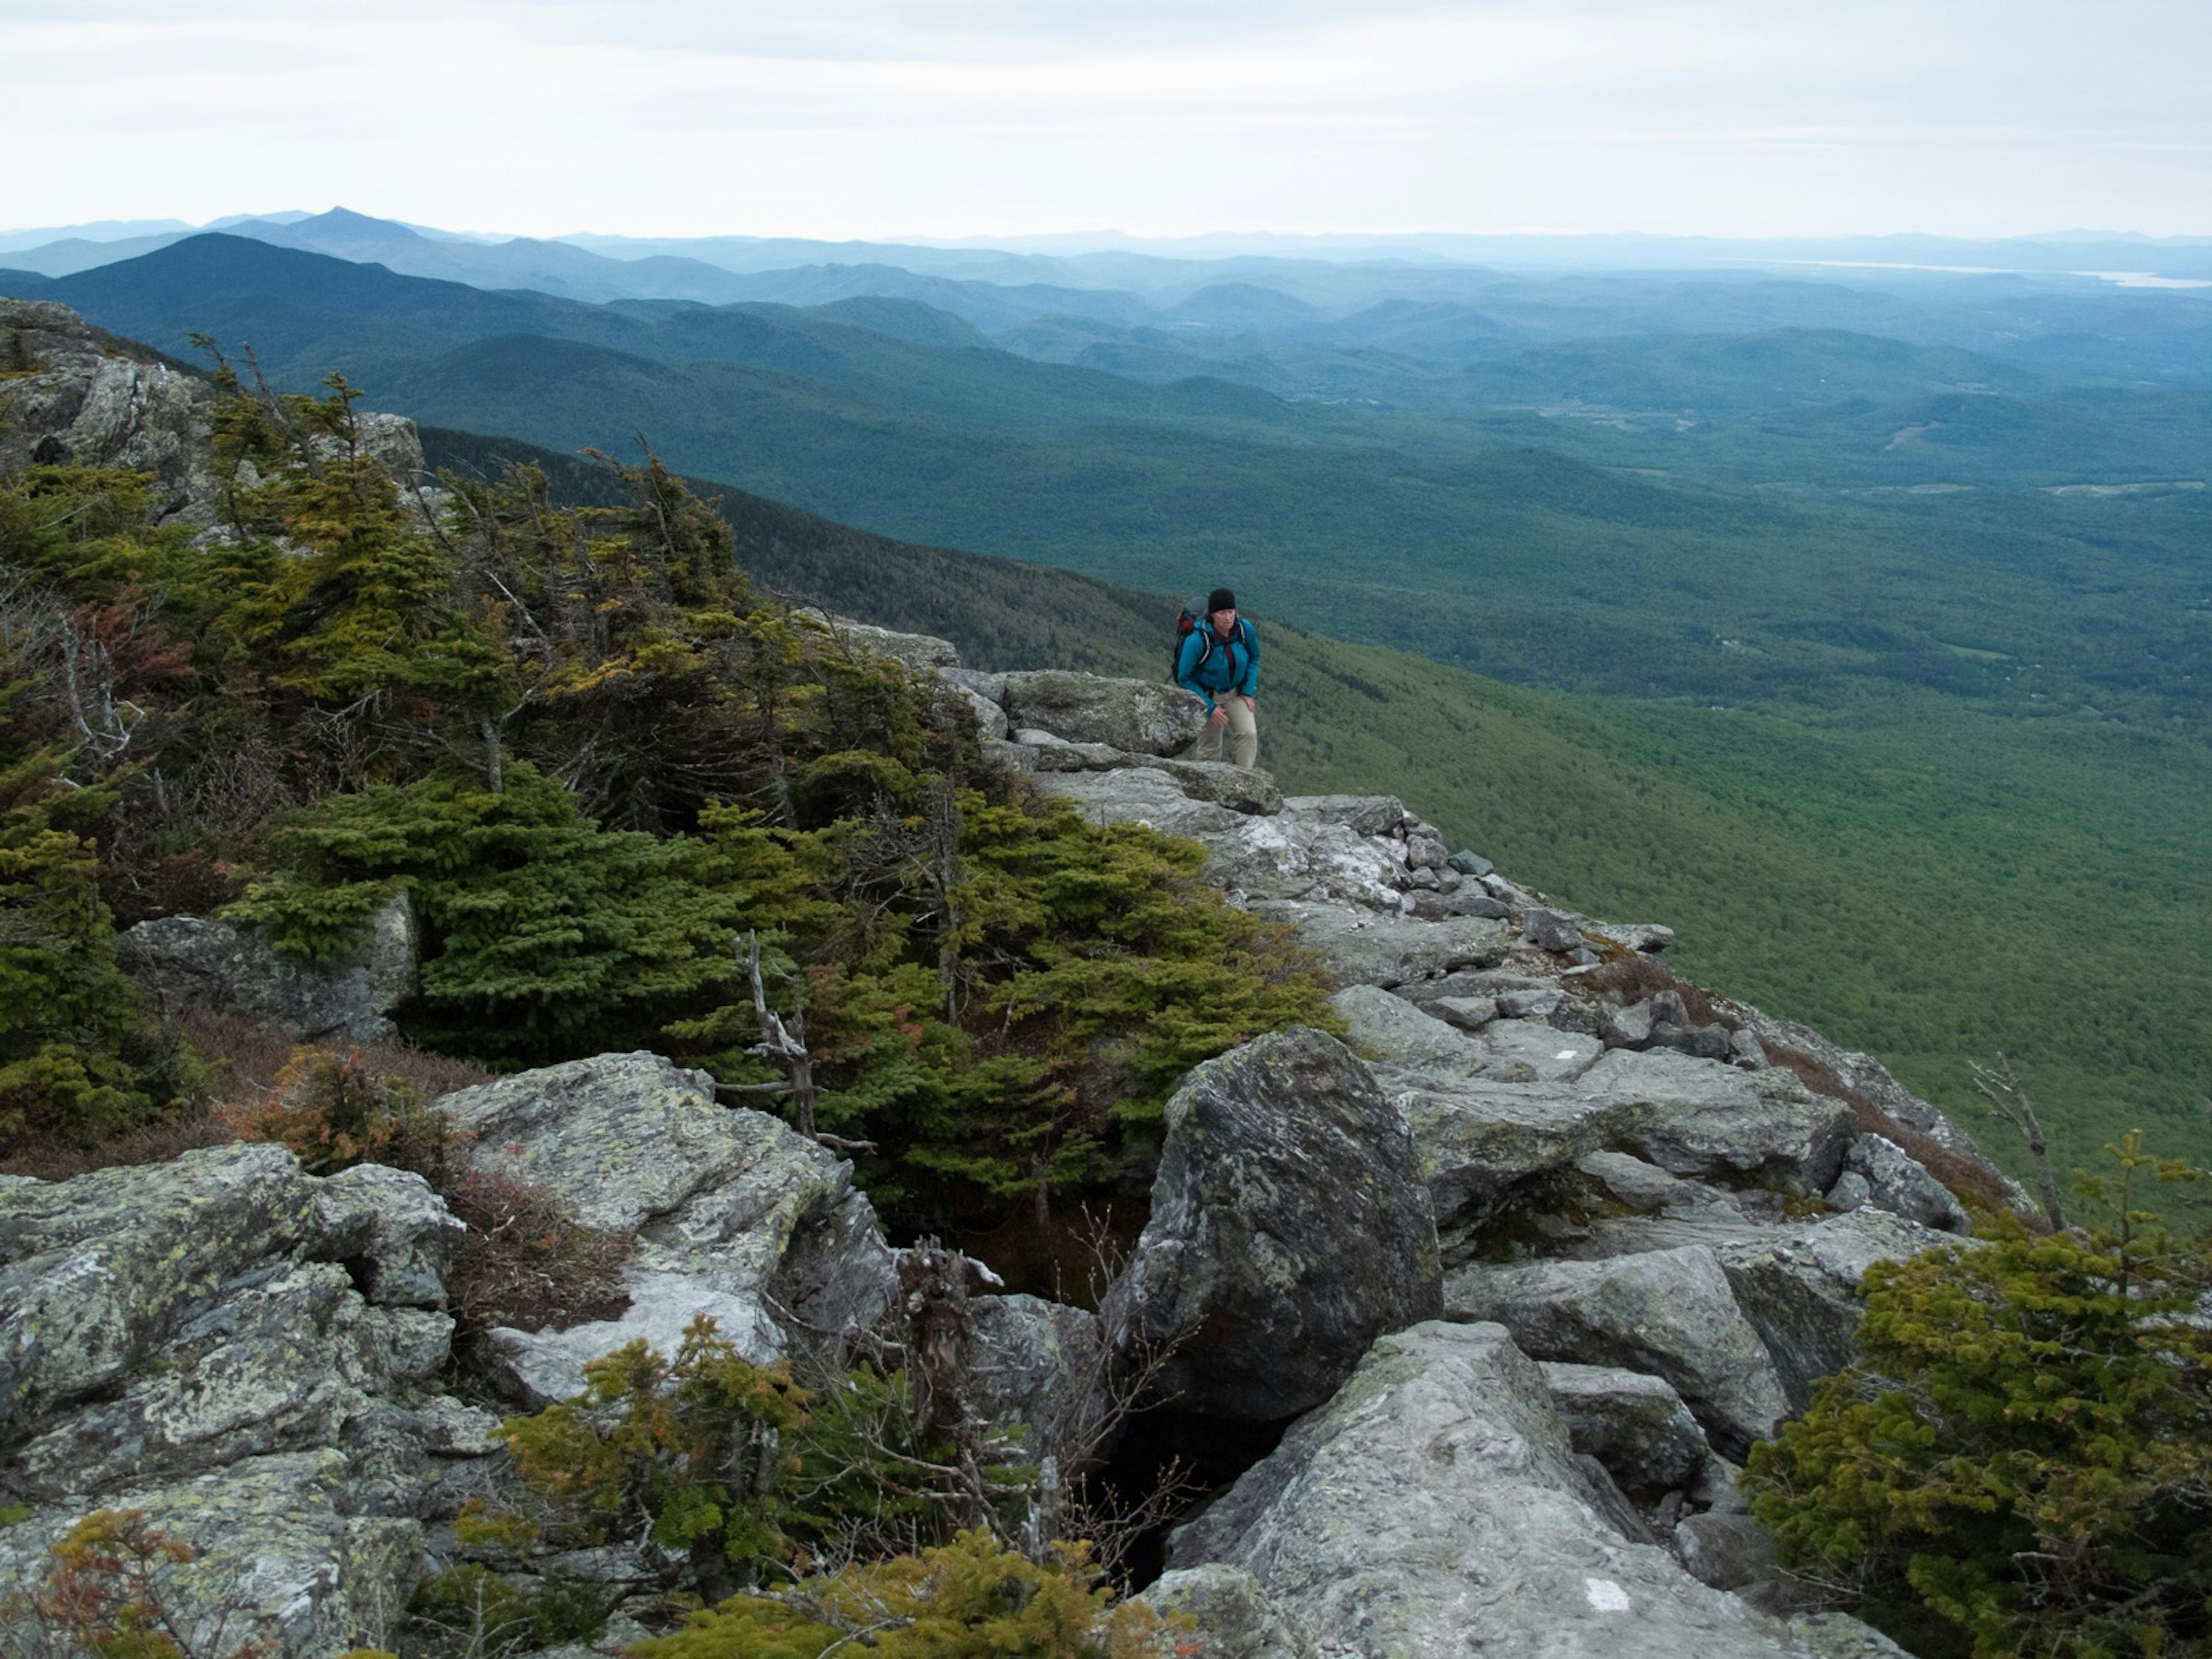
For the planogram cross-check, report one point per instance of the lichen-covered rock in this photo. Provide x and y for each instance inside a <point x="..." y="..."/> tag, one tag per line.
<point x="1141" y="716"/>
<point x="1668" y="1312"/>
<point x="98" y="1272"/>
<point x="1231" y="1616"/>
<point x="1728" y="1551"/>
<point x="1897" y="1182"/>
<point x="1632" y="1422"/>
<point x="1041" y="1365"/>
<point x="1385" y="1028"/>
<point x="277" y="1556"/>
<point x="1529" y="1051"/>
<point x="1361" y="947"/>
<point x="395" y="1234"/>
<point x="737" y="1215"/>
<point x="226" y="968"/>
<point x="1799" y="1286"/>
<point x="917" y="651"/>
<point x="1552" y="930"/>
<point x="1289" y="1225"/>
<point x="1434" y="1506"/>
<point x="542" y="1368"/>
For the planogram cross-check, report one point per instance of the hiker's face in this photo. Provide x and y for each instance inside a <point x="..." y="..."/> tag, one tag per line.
<point x="1223" y="620"/>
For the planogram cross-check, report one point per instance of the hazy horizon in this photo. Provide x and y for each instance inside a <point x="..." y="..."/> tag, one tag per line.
<point x="993" y="120"/>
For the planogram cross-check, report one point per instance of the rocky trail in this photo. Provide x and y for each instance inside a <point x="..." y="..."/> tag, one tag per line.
<point x="1518" y="1269"/>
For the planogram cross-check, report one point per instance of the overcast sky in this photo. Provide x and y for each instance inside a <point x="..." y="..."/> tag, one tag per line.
<point x="958" y="118"/>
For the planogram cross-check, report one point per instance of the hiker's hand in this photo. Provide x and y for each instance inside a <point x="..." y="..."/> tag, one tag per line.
<point x="1219" y="717"/>
<point x="1251" y="705"/>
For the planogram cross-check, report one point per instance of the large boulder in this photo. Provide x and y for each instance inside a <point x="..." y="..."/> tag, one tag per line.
<point x="1893" y="1180"/>
<point x="1141" y="716"/>
<point x="1434" y="1506"/>
<point x="1800" y="1288"/>
<point x="99" y="1273"/>
<point x="1290" y="1226"/>
<point x="251" y="1357"/>
<point x="227" y="968"/>
<point x="917" y="651"/>
<point x="737" y="1215"/>
<point x="1364" y="815"/>
<point x="1361" y="947"/>
<point x="1670" y="1313"/>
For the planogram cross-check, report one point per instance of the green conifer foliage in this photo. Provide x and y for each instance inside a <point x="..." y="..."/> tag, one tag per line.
<point x="2020" y="1463"/>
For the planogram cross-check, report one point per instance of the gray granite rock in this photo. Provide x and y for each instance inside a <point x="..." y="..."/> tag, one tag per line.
<point x="1289" y="1225"/>
<point x="1040" y="1365"/>
<point x="1364" y="815"/>
<point x="1528" y="1051"/>
<point x="1382" y="1027"/>
<point x="1799" y="1286"/>
<point x="1633" y="1423"/>
<point x="1230" y="1616"/>
<point x="1702" y="1118"/>
<point x="1293" y="856"/>
<point x="1670" y="1313"/>
<point x="1895" y="1182"/>
<point x="1142" y="795"/>
<point x="1435" y="1502"/>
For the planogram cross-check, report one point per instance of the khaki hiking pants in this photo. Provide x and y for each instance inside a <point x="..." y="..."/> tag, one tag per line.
<point x="1242" y="734"/>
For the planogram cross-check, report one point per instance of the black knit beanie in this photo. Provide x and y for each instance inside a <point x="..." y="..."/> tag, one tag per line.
<point x="1220" y="599"/>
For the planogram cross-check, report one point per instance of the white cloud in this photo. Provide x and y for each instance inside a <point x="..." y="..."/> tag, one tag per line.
<point x="888" y="117"/>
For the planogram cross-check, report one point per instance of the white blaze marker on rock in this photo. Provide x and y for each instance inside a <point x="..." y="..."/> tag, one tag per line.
<point x="1606" y="1595"/>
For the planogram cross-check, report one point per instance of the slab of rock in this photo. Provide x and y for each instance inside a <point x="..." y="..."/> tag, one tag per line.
<point x="1670" y="1313"/>
<point x="1480" y="1139"/>
<point x="990" y="718"/>
<point x="1240" y="788"/>
<point x="1366" y="948"/>
<point x="1467" y="1013"/>
<point x="1364" y="815"/>
<point x="731" y="1203"/>
<point x="1799" y="1286"/>
<point x="1633" y="1423"/>
<point x="1552" y="930"/>
<point x="99" y="1273"/>
<point x="1728" y="1551"/>
<point x="225" y="968"/>
<point x="1141" y="716"/>
<point x="1647" y="937"/>
<point x="544" y="1367"/>
<point x="1289" y="1225"/>
<point x="1434" y="1506"/>
<point x="1528" y="1051"/>
<point x="1142" y="795"/>
<point x="1702" y="1118"/>
<point x="1382" y="1027"/>
<point x="1897" y="1182"/>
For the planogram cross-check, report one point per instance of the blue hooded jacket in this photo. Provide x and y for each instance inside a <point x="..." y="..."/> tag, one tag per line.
<point x="1233" y="664"/>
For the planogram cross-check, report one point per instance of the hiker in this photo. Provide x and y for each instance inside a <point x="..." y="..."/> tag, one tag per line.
<point x="1219" y="661"/>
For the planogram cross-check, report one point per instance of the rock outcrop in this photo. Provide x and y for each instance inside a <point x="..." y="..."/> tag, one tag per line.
<point x="1434" y="1506"/>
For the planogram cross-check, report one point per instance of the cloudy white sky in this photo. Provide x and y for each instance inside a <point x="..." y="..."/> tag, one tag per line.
<point x="957" y="117"/>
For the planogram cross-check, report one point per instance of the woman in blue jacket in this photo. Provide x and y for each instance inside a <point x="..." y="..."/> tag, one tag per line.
<point x="1220" y="662"/>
